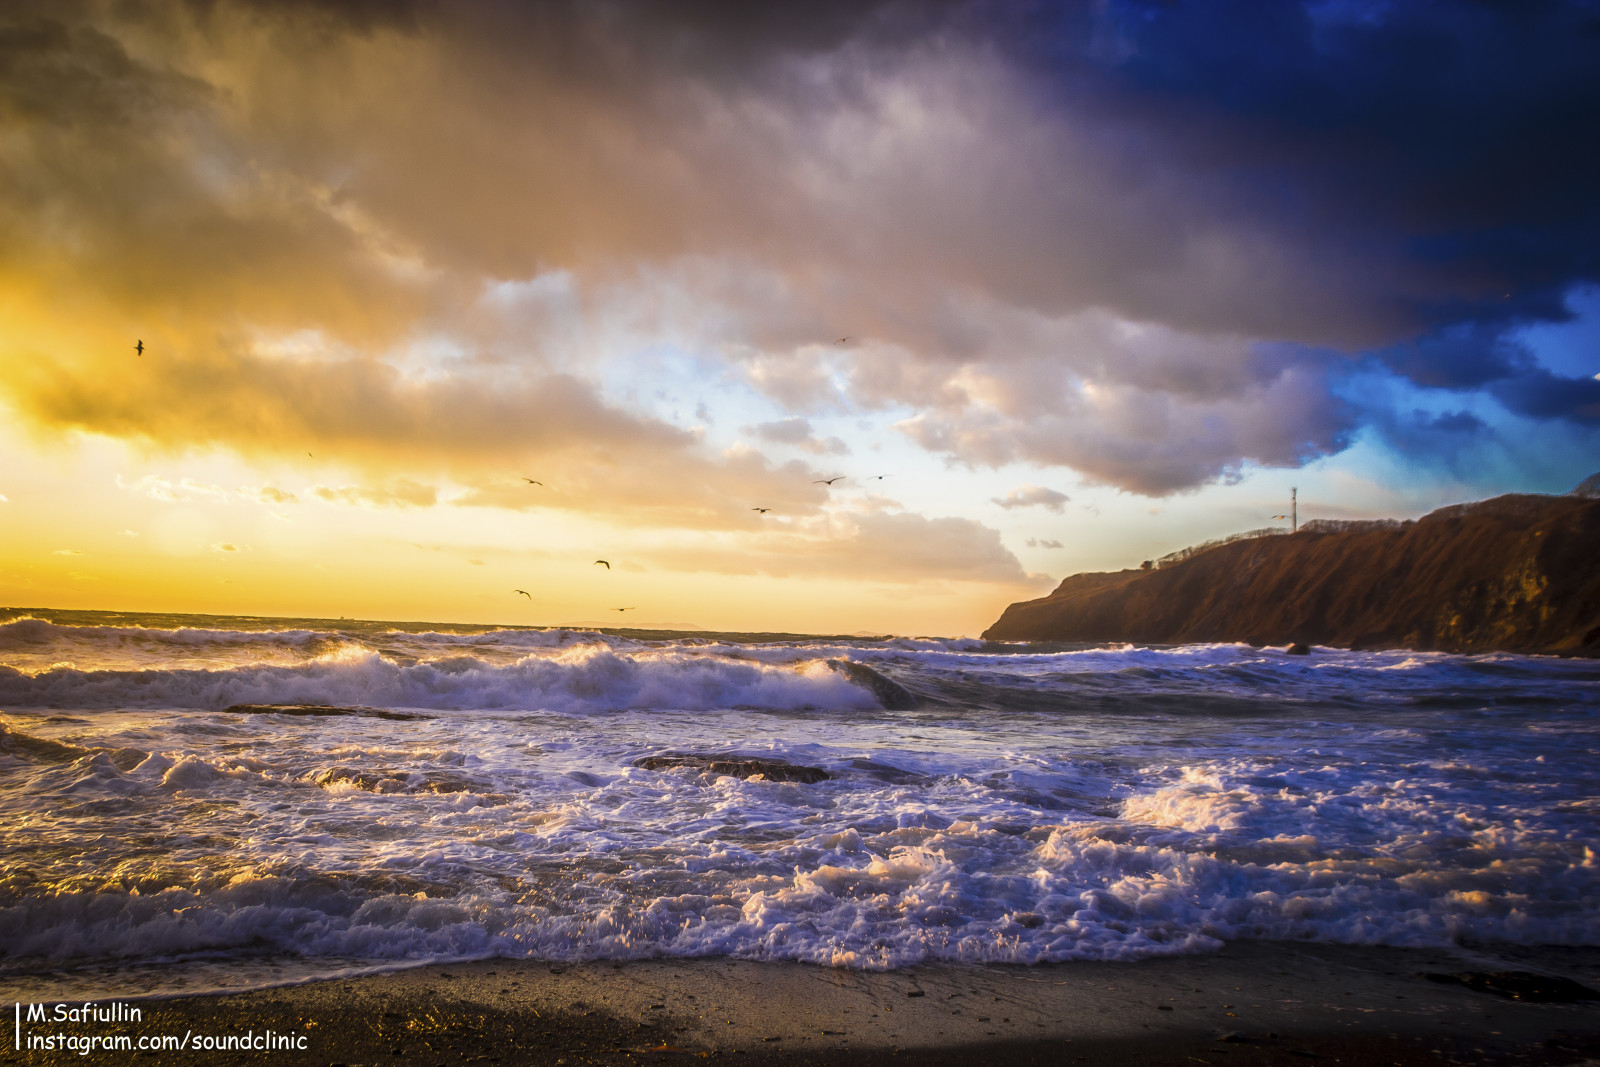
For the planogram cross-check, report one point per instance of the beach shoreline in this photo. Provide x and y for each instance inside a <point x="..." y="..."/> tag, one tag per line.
<point x="1250" y="1003"/>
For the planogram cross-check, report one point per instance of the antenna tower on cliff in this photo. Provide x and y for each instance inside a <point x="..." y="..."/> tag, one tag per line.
<point x="1294" y="509"/>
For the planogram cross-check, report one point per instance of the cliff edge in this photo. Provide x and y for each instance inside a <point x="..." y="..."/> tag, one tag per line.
<point x="1518" y="573"/>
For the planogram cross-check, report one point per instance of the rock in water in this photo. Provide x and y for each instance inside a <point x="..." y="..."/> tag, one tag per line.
<point x="318" y="709"/>
<point x="772" y="770"/>
<point x="1299" y="648"/>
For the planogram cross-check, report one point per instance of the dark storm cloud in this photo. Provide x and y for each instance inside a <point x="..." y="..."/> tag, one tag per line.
<point x="1466" y="356"/>
<point x="1539" y="394"/>
<point x="72" y="75"/>
<point x="1448" y="441"/>
<point x="1140" y="240"/>
<point x="1452" y="133"/>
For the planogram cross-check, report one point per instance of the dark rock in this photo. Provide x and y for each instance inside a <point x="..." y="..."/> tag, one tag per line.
<point x="1520" y="985"/>
<point x="889" y="693"/>
<point x="367" y="781"/>
<point x="317" y="709"/>
<point x="772" y="770"/>
<point x="1298" y="649"/>
<point x="26" y="746"/>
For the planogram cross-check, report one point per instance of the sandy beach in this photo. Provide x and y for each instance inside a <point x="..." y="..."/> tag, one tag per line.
<point x="1252" y="1003"/>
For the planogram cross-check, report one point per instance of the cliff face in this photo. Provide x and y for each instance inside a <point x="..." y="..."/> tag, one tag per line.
<point x="1516" y="573"/>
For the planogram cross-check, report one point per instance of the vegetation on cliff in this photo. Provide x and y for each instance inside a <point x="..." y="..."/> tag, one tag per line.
<point x="1518" y="573"/>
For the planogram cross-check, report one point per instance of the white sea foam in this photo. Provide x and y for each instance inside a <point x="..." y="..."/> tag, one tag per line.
<point x="1098" y="803"/>
<point x="586" y="677"/>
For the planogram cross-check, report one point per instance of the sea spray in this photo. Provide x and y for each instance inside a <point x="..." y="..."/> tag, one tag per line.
<point x="341" y="798"/>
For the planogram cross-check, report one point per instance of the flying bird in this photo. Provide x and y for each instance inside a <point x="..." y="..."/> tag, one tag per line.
<point x="1280" y="516"/>
<point x="762" y="510"/>
<point x="878" y="477"/>
<point x="842" y="340"/>
<point x="622" y="609"/>
<point x="530" y="481"/>
<point x="524" y="592"/>
<point x="139" y="347"/>
<point x="827" y="481"/>
<point x="602" y="563"/>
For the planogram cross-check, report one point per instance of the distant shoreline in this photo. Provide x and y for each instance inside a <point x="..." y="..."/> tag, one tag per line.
<point x="108" y="616"/>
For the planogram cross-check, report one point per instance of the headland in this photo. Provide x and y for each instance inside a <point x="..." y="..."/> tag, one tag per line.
<point x="1517" y="573"/>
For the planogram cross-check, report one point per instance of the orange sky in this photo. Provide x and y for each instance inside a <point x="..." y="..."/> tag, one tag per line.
<point x="388" y="264"/>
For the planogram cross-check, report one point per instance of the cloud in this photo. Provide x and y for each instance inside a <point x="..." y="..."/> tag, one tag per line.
<point x="158" y="488"/>
<point x="1539" y="394"/>
<point x="268" y="494"/>
<point x="66" y="552"/>
<point x="866" y="545"/>
<point x="1148" y="440"/>
<point x="797" y="432"/>
<point x="665" y="487"/>
<point x="1028" y="496"/>
<point x="400" y="493"/>
<point x="228" y="546"/>
<point x="1139" y="241"/>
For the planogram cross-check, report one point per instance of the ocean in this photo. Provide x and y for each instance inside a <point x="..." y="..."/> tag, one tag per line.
<point x="447" y="792"/>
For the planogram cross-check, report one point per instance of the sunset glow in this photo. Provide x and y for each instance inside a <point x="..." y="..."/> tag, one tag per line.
<point x="388" y="262"/>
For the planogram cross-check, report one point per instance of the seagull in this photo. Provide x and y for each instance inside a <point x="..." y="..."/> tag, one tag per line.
<point x="601" y="562"/>
<point x="622" y="609"/>
<point x="762" y="510"/>
<point x="524" y="592"/>
<point x="530" y="481"/>
<point x="139" y="347"/>
<point x="827" y="481"/>
<point x="842" y="340"/>
<point x="878" y="477"/>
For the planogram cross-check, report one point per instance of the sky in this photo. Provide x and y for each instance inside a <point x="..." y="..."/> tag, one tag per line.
<point x="1047" y="287"/>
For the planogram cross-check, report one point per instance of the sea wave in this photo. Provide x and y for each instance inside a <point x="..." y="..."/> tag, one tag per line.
<point x="379" y="793"/>
<point x="584" y="678"/>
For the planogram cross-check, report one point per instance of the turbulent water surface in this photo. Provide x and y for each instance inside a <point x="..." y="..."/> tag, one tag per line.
<point x="440" y="792"/>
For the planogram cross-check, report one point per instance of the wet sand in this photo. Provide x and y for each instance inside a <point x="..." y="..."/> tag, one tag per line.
<point x="1252" y="1003"/>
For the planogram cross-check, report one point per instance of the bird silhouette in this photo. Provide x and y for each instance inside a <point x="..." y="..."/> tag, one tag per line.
<point x="602" y="563"/>
<point x="530" y="481"/>
<point x="1280" y="516"/>
<point x="842" y="340"/>
<point x="622" y="609"/>
<point x="139" y="347"/>
<point x="524" y="592"/>
<point x="877" y="477"/>
<point x="827" y="481"/>
<point x="762" y="510"/>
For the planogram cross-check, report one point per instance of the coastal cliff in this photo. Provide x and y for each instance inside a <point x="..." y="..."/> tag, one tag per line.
<point x="1518" y="573"/>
